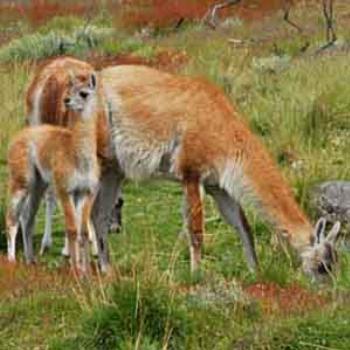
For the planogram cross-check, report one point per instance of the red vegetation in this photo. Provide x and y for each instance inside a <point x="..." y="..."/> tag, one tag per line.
<point x="161" y="13"/>
<point x="290" y="299"/>
<point x="135" y="13"/>
<point x="17" y="279"/>
<point x="38" y="12"/>
<point x="167" y="60"/>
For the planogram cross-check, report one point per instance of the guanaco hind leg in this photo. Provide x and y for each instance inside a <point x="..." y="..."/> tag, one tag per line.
<point x="87" y="203"/>
<point x="109" y="185"/>
<point x="17" y="201"/>
<point x="27" y="218"/>
<point x="46" y="242"/>
<point x="195" y="222"/>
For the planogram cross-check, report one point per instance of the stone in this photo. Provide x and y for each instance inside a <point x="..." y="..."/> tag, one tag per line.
<point x="331" y="199"/>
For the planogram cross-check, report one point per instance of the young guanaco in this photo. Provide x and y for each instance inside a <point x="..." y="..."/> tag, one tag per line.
<point x="65" y="159"/>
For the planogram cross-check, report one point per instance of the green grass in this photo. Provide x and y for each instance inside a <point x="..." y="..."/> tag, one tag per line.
<point x="301" y="107"/>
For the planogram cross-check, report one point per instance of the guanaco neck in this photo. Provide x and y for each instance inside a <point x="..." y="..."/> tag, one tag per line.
<point x="289" y="219"/>
<point x="276" y="199"/>
<point x="84" y="135"/>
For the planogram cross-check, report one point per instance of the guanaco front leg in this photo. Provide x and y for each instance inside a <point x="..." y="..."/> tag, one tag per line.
<point x="71" y="227"/>
<point x="195" y="222"/>
<point x="85" y="232"/>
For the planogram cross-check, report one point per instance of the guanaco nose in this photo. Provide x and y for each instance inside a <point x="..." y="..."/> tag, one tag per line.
<point x="66" y="100"/>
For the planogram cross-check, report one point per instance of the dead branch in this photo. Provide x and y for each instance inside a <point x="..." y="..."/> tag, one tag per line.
<point x="327" y="6"/>
<point x="328" y="15"/>
<point x="287" y="5"/>
<point x="210" y="18"/>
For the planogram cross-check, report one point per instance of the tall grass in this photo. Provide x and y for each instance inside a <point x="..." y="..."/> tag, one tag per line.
<point x="146" y="316"/>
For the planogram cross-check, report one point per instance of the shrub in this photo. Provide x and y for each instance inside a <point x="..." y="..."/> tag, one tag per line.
<point x="42" y="45"/>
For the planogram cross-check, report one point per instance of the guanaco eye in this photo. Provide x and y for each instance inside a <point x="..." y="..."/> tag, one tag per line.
<point x="83" y="94"/>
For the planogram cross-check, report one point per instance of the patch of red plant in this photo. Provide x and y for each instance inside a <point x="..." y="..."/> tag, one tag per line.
<point x="286" y="300"/>
<point x="38" y="12"/>
<point x="137" y="13"/>
<point x="17" y="279"/>
<point x="167" y="60"/>
<point x="162" y="13"/>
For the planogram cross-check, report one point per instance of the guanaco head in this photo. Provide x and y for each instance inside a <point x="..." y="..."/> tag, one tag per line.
<point x="81" y="92"/>
<point x="320" y="259"/>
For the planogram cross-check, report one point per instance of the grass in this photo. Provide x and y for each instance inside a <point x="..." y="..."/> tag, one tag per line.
<point x="299" y="108"/>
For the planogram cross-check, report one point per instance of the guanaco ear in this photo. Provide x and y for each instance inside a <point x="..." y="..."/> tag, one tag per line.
<point x="319" y="230"/>
<point x="334" y="233"/>
<point x="92" y="82"/>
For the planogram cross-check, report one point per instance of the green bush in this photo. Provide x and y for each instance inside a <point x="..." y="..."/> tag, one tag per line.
<point x="42" y="45"/>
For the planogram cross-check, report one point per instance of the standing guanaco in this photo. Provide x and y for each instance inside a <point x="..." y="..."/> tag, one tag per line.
<point x="45" y="105"/>
<point x="65" y="159"/>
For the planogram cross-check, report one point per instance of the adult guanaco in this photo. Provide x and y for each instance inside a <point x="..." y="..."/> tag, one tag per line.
<point x="186" y="129"/>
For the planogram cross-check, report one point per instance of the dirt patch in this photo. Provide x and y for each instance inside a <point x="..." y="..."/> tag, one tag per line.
<point x="285" y="300"/>
<point x="167" y="60"/>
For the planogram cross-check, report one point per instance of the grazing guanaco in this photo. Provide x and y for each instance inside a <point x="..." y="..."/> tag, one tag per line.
<point x="45" y="105"/>
<point x="186" y="129"/>
<point x="65" y="159"/>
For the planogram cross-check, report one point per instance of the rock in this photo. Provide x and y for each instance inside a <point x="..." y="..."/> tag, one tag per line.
<point x="332" y="200"/>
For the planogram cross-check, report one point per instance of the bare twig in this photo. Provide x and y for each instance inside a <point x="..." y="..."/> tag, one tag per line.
<point x="287" y="5"/>
<point x="328" y="14"/>
<point x="210" y="17"/>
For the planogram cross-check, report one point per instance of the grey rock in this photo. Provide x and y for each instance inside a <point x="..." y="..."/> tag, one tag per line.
<point x="332" y="200"/>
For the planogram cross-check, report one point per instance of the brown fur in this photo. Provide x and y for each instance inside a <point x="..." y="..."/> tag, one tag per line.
<point x="161" y="105"/>
<point x="67" y="158"/>
<point x="52" y="76"/>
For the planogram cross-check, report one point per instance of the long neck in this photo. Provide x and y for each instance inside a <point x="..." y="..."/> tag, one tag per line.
<point x="84" y="133"/>
<point x="276" y="199"/>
